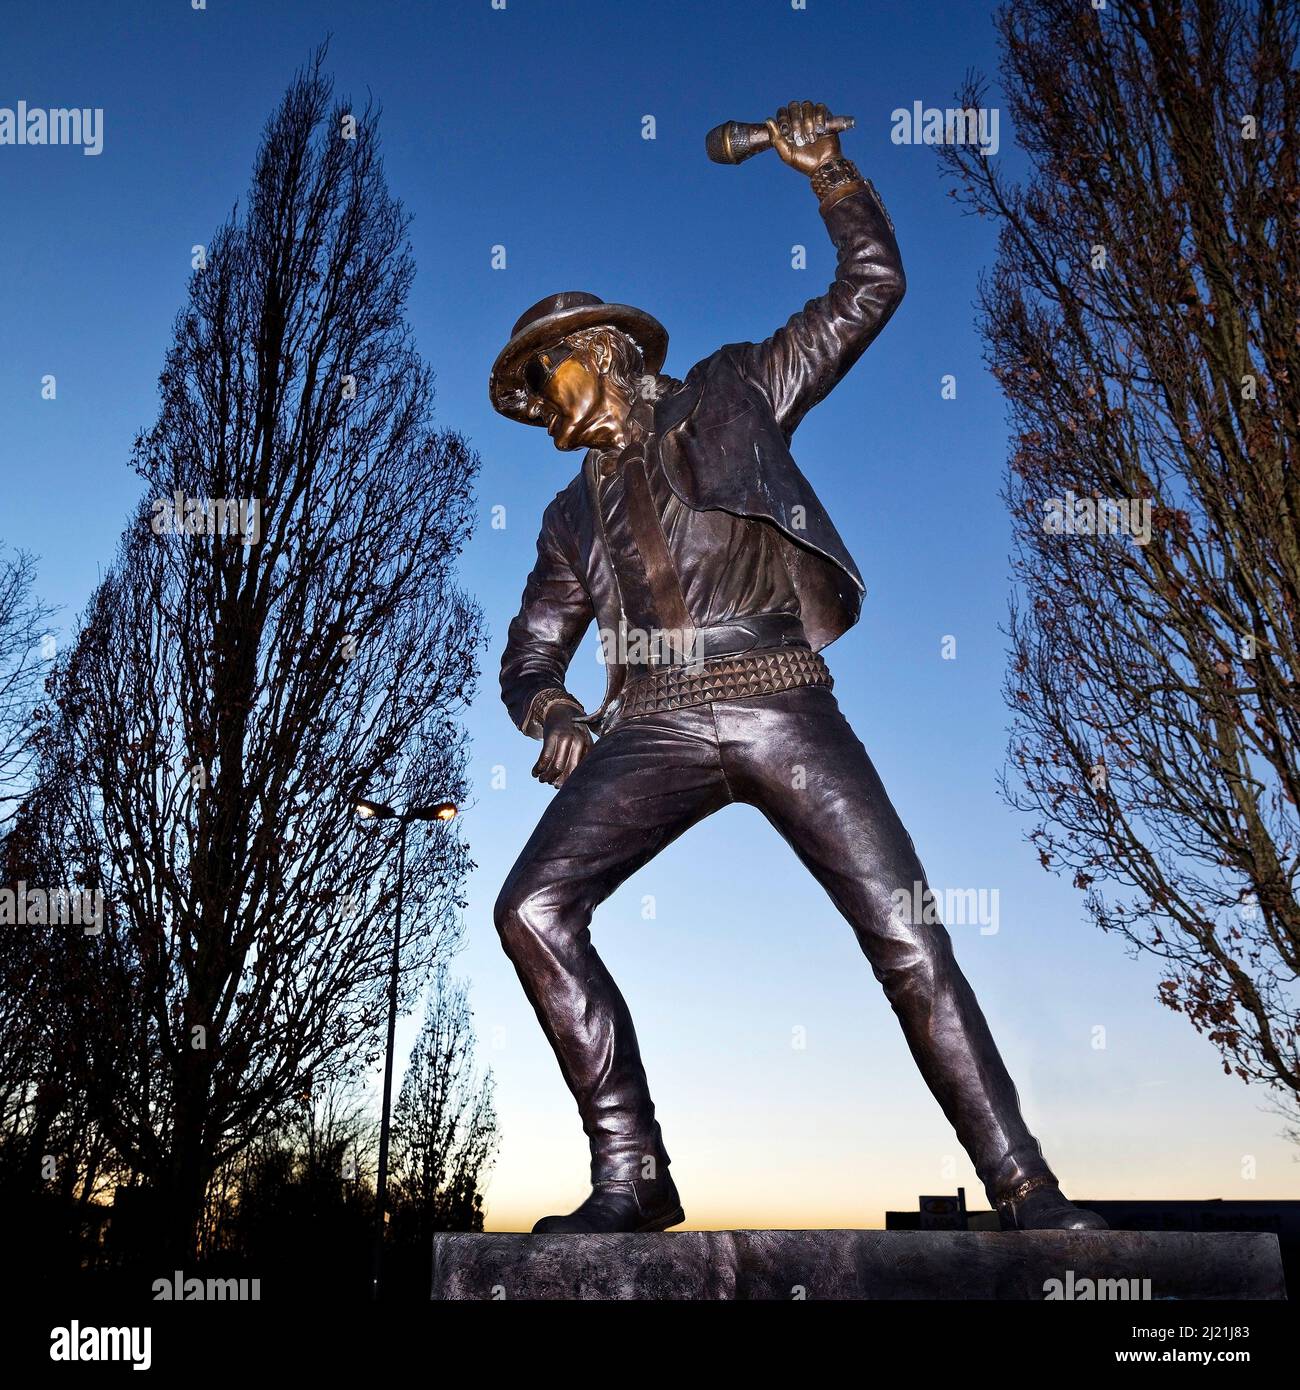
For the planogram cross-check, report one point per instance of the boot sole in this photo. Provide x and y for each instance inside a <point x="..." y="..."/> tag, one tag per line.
<point x="661" y="1223"/>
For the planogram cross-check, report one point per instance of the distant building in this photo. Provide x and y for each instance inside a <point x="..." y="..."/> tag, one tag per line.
<point x="941" y="1213"/>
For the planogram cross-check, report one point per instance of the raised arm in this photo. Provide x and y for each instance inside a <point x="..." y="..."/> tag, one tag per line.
<point x="803" y="360"/>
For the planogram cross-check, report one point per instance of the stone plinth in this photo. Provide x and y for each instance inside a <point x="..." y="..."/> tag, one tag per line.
<point x="858" y="1264"/>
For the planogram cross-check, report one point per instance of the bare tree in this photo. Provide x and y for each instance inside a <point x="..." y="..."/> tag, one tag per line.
<point x="444" y="1124"/>
<point x="298" y="1203"/>
<point x="51" y="1143"/>
<point x="281" y="633"/>
<point x="47" y="1144"/>
<point x="1141" y="320"/>
<point x="21" y="621"/>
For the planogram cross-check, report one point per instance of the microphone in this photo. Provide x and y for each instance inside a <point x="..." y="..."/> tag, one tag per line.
<point x="733" y="142"/>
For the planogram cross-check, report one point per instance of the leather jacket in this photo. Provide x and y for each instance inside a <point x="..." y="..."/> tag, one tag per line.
<point x="722" y="438"/>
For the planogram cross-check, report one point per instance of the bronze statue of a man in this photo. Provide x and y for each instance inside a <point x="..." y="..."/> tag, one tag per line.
<point x="716" y="578"/>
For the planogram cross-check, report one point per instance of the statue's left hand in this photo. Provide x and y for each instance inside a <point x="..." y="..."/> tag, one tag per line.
<point x="800" y="135"/>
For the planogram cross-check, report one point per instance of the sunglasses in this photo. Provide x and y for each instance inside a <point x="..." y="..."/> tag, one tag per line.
<point x="541" y="367"/>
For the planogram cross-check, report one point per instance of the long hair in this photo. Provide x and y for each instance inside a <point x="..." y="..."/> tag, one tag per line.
<point x="627" y="365"/>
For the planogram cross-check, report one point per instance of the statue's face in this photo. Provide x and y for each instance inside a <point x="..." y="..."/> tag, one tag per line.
<point x="576" y="401"/>
<point x="569" y="401"/>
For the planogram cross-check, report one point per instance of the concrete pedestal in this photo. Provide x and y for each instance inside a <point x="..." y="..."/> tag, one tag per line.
<point x="785" y="1265"/>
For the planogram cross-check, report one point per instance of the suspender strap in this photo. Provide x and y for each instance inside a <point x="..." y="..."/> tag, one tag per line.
<point x="648" y="533"/>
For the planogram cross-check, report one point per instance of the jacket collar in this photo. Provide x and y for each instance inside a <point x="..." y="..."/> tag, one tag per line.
<point x="643" y="426"/>
<point x="670" y="410"/>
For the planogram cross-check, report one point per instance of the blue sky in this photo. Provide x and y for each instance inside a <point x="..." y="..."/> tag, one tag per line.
<point x="522" y="127"/>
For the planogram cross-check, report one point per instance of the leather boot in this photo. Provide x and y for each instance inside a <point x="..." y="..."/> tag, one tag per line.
<point x="1038" y="1205"/>
<point x="621" y="1204"/>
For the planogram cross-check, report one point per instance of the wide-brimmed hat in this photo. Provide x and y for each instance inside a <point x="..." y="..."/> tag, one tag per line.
<point x="554" y="318"/>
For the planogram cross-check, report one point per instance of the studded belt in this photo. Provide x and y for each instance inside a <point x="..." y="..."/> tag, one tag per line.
<point x="723" y="678"/>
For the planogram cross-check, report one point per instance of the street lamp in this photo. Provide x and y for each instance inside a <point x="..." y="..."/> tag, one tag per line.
<point x="376" y="810"/>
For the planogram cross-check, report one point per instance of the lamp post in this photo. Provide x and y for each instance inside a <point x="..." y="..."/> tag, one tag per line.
<point x="376" y="810"/>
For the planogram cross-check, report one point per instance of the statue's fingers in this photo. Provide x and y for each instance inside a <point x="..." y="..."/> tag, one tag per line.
<point x="822" y="118"/>
<point x="572" y="757"/>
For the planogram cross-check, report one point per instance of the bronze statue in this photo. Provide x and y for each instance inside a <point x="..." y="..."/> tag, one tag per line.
<point x="716" y="578"/>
